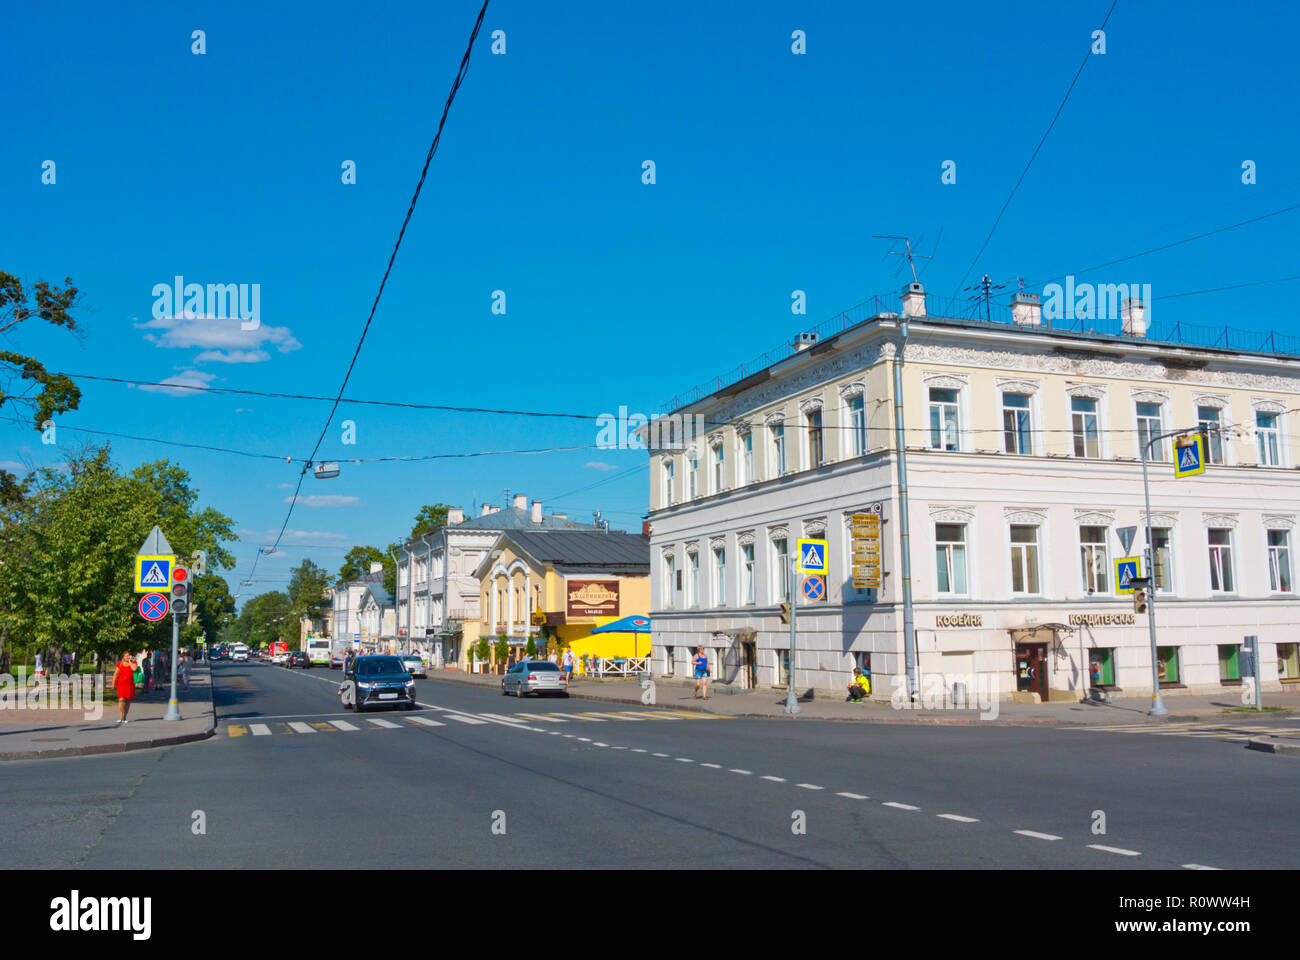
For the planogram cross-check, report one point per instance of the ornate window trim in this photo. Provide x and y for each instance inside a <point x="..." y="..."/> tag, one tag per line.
<point x="717" y="543"/>
<point x="1215" y="400"/>
<point x="691" y="548"/>
<point x="1015" y="385"/>
<point x="815" y="527"/>
<point x="1021" y="515"/>
<point x="951" y="513"/>
<point x="1219" y="520"/>
<point x="1267" y="405"/>
<point x="745" y="539"/>
<point x="1094" y="518"/>
<point x="1158" y="519"/>
<point x="1279" y="521"/>
<point x="669" y="551"/>
<point x="774" y="419"/>
<point x="854" y="388"/>
<point x="945" y="381"/>
<point x="779" y="533"/>
<point x="743" y="428"/>
<point x="811" y="404"/>
<point x="715" y="440"/>
<point x="1093" y="391"/>
<point x="1147" y="395"/>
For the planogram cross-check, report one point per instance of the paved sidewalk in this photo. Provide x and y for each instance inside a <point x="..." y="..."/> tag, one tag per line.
<point x="677" y="695"/>
<point x="30" y="734"/>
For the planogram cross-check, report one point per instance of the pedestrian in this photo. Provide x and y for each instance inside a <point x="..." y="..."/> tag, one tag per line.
<point x="569" y="661"/>
<point x="701" y="664"/>
<point x="185" y="671"/>
<point x="146" y="662"/>
<point x="859" y="687"/>
<point x="67" y="664"/>
<point x="40" y="666"/>
<point x="124" y="685"/>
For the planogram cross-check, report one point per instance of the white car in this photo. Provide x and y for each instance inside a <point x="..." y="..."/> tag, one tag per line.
<point x="240" y="653"/>
<point x="414" y="665"/>
<point x="279" y="658"/>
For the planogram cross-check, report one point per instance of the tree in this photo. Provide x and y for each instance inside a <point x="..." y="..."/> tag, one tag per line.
<point x="430" y="519"/>
<point x="357" y="561"/>
<point x="501" y="649"/>
<point x="307" y="586"/>
<point x="271" y="619"/>
<point x="214" y="608"/>
<point x="482" y="649"/>
<point x="530" y="648"/>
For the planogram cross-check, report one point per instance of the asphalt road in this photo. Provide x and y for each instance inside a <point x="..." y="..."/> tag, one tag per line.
<point x="292" y="780"/>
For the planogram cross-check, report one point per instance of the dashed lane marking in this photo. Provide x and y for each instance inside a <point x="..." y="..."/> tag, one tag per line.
<point x="899" y="806"/>
<point x="425" y="722"/>
<point x="1036" y="835"/>
<point x="809" y="786"/>
<point x="956" y="817"/>
<point x="464" y="719"/>
<point x="1120" y="850"/>
<point x="343" y="725"/>
<point x="774" y="779"/>
<point x="380" y="722"/>
<point x="853" y="796"/>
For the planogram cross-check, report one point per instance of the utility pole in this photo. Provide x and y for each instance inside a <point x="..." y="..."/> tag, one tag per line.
<point x="791" y="700"/>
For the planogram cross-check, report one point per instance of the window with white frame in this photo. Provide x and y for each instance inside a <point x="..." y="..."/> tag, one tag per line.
<point x="1210" y="420"/>
<point x="1017" y="435"/>
<point x="1266" y="438"/>
<point x="693" y="477"/>
<point x="747" y="573"/>
<point x="719" y="468"/>
<point x="1024" y="559"/>
<point x="950" y="559"/>
<point x="747" y="457"/>
<point x="780" y="570"/>
<point x="815" y="451"/>
<point x="1084" y="420"/>
<point x="855" y="416"/>
<point x="1279" y="561"/>
<point x="692" y="579"/>
<point x="1161" y="539"/>
<point x="943" y="419"/>
<point x="670" y="580"/>
<point x="1221" y="579"/>
<point x="1148" y="426"/>
<point x="720" y="576"/>
<point x="1093" y="559"/>
<point x="777" y="431"/>
<point x="667" y="473"/>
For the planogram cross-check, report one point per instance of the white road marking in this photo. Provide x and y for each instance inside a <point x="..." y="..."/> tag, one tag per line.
<point x="809" y="786"/>
<point x="774" y="779"/>
<point x="599" y="744"/>
<point x="425" y="722"/>
<point x="684" y="760"/>
<point x="900" y="806"/>
<point x="464" y="719"/>
<point x="301" y="728"/>
<point x="1199" y="866"/>
<point x="617" y="716"/>
<point x="714" y="766"/>
<point x="741" y="772"/>
<point x="1120" y="850"/>
<point x="1036" y="835"/>
<point x="637" y="750"/>
<point x="585" y="739"/>
<point x="342" y="725"/>
<point x="539" y="716"/>
<point x="652" y="716"/>
<point x="568" y="736"/>
<point x="260" y="729"/>
<point x="587" y="717"/>
<point x="380" y="722"/>
<point x="618" y="748"/>
<point x="497" y="716"/>
<point x="956" y="817"/>
<point x="853" y="796"/>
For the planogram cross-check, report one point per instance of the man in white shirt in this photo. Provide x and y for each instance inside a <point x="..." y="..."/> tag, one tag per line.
<point x="569" y="661"/>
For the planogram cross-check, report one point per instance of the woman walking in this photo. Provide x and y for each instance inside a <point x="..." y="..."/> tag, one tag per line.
<point x="124" y="684"/>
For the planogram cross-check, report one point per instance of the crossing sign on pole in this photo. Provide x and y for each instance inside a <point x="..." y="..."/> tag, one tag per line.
<point x="1126" y="571"/>
<point x="812" y="557"/>
<point x="153" y="572"/>
<point x="1189" y="456"/>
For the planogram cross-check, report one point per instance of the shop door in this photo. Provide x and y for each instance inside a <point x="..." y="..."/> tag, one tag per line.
<point x="1031" y="668"/>
<point x="749" y="664"/>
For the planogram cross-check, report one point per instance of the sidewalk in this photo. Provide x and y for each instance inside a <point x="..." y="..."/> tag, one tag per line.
<point x="33" y="734"/>
<point x="768" y="702"/>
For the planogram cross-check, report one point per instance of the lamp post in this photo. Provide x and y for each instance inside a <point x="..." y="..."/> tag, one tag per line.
<point x="791" y="700"/>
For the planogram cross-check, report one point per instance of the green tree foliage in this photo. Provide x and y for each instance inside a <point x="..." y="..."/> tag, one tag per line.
<point x="530" y="648"/>
<point x="357" y="561"/>
<point x="431" y="518"/>
<point x="482" y="649"/>
<point x="307" y="586"/>
<point x="271" y="618"/>
<point x="214" y="608"/>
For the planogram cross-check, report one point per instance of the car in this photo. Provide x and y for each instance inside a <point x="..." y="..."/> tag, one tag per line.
<point x="414" y="665"/>
<point x="280" y="657"/>
<point x="298" y="658"/>
<point x="533" y="676"/>
<point x="377" y="680"/>
<point x="240" y="652"/>
<point x="215" y="655"/>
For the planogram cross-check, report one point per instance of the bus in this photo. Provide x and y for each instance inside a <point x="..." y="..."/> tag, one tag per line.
<point x="318" y="651"/>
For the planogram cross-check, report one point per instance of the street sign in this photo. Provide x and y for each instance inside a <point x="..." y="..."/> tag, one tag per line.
<point x="865" y="531"/>
<point x="156" y="543"/>
<point x="153" y="572"/>
<point x="1189" y="456"/>
<point x="814" y="587"/>
<point x="1126" y="569"/>
<point x="153" y="606"/>
<point x="812" y="556"/>
<point x="1126" y="535"/>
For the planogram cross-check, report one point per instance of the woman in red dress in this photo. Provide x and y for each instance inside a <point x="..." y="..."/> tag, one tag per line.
<point x="124" y="684"/>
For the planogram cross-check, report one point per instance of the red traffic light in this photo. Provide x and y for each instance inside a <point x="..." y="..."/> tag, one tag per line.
<point x="180" y="575"/>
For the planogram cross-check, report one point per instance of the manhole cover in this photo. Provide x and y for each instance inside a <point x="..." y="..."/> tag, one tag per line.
<point x="51" y="739"/>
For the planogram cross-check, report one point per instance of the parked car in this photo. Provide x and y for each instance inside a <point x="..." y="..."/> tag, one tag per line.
<point x="377" y="680"/>
<point x="279" y="658"/>
<point x="298" y="658"/>
<point x="533" y="676"/>
<point x="414" y="665"/>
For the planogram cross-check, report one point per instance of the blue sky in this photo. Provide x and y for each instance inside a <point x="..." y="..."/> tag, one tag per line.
<point x="773" y="171"/>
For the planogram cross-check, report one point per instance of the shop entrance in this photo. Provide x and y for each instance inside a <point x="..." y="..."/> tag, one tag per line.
<point x="1031" y="668"/>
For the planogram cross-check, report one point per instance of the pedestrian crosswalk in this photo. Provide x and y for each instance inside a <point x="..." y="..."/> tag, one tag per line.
<point x="307" y="727"/>
<point x="1231" y="732"/>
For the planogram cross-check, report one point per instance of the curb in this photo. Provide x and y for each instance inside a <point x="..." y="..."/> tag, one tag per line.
<point x="1266" y="745"/>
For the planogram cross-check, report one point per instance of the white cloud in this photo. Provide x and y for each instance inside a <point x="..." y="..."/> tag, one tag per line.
<point x="326" y="500"/>
<point x="283" y="486"/>
<point x="597" y="465"/>
<point x="216" y="333"/>
<point x="192" y="378"/>
<point x="13" y="466"/>
<point x="315" y="538"/>
<point x="233" y="356"/>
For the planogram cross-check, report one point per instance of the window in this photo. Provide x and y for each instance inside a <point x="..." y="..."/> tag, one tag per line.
<point x="1288" y="661"/>
<point x="720" y="576"/>
<point x="1015" y="423"/>
<point x="719" y="469"/>
<point x="1162" y="558"/>
<point x="782" y="667"/>
<point x="1167" y="665"/>
<point x="780" y="571"/>
<point x="1279" y="561"/>
<point x="1266" y="437"/>
<point x="670" y="666"/>
<point x="1101" y="667"/>
<point x="1221" y="561"/>
<point x="1209" y="419"/>
<point x="1229" y="665"/>
<point x="778" y="448"/>
<point x="670" y="571"/>
<point x="814" y="419"/>
<point x="747" y="458"/>
<point x="950" y="557"/>
<point x="1024" y="559"/>
<point x="747" y="573"/>
<point x="668" y="482"/>
<point x="693" y="477"/>
<point x="943" y="419"/>
<point x="857" y="423"/>
<point x="1148" y="421"/>
<point x="1092" y="555"/>
<point x="692" y="579"/>
<point x="1084" y="416"/>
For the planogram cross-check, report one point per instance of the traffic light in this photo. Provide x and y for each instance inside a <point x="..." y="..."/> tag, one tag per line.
<point x="180" y="591"/>
<point x="1140" y="600"/>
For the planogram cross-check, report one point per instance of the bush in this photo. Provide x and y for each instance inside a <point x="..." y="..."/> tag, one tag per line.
<point x="531" y="649"/>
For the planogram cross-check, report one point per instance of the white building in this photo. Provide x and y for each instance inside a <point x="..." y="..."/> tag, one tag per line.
<point x="1022" y="464"/>
<point x="348" y="603"/>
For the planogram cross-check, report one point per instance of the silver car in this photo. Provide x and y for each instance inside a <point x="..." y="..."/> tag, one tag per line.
<point x="414" y="665"/>
<point x="533" y="676"/>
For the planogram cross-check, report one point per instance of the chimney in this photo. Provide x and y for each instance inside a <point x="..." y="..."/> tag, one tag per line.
<point x="455" y="515"/>
<point x="521" y="501"/>
<point x="560" y="516"/>
<point x="376" y="567"/>
<point x="802" y="342"/>
<point x="914" y="300"/>
<point x="1133" y="316"/>
<point x="537" y="511"/>
<point x="645" y="528"/>
<point x="485" y="509"/>
<point x="1026" y="310"/>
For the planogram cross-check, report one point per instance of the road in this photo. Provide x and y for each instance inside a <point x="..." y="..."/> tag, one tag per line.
<point x="473" y="779"/>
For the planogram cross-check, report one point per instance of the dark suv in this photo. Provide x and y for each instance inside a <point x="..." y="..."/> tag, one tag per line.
<point x="378" y="680"/>
<point x="298" y="658"/>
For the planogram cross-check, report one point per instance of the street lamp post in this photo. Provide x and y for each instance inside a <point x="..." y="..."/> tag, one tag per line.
<point x="791" y="700"/>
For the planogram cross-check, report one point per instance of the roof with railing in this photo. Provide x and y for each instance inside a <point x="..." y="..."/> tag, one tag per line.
<point x="978" y="313"/>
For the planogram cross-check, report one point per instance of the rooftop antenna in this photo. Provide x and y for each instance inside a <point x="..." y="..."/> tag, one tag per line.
<point x="984" y="292"/>
<point x="906" y="252"/>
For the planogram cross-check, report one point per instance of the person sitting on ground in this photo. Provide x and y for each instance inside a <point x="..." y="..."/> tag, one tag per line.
<point x="859" y="688"/>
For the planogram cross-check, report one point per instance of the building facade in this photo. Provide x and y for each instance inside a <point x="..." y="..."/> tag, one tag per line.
<point x="1022" y="448"/>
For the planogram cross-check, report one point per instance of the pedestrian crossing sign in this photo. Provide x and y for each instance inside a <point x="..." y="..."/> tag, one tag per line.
<point x="153" y="572"/>
<point x="1189" y="456"/>
<point x="812" y="557"/>
<point x="1126" y="570"/>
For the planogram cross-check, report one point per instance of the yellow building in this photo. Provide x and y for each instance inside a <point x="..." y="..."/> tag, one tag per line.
<point x="557" y="586"/>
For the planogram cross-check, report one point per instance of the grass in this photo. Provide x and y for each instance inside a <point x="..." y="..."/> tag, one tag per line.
<point x="1256" y="709"/>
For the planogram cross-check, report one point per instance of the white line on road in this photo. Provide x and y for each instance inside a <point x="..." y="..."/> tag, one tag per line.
<point x="618" y="748"/>
<point x="497" y="716"/>
<point x="585" y="739"/>
<point x="743" y="773"/>
<point x="1036" y="835"/>
<point x="599" y="744"/>
<point x="658" y="754"/>
<point x="774" y="779"/>
<point x="465" y="719"/>
<point x="853" y="796"/>
<point x="425" y="722"/>
<point x="809" y="786"/>
<point x="637" y="750"/>
<point x="380" y="722"/>
<point x="587" y="717"/>
<point x="685" y="760"/>
<point x="1120" y="850"/>
<point x="1199" y="866"/>
<point x="900" y="806"/>
<point x="301" y="728"/>
<point x="713" y="766"/>
<point x="539" y="716"/>
<point x="260" y="729"/>
<point x="956" y="817"/>
<point x="342" y="725"/>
